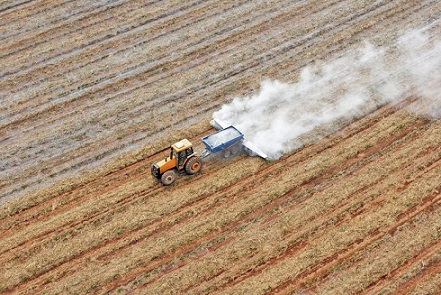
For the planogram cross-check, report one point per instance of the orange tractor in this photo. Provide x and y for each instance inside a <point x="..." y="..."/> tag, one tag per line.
<point x="182" y="159"/>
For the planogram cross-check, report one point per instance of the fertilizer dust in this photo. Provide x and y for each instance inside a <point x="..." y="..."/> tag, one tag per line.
<point x="332" y="93"/>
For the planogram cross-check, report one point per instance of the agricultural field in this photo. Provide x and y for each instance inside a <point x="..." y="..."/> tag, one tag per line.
<point x="93" y="92"/>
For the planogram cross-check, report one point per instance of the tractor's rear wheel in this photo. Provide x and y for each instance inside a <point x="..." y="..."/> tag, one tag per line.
<point x="193" y="165"/>
<point x="168" y="177"/>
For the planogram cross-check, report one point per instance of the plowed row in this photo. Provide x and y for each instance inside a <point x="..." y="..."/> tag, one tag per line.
<point x="94" y="91"/>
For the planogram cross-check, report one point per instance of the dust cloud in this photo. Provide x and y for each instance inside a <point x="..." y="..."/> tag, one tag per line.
<point x="327" y="95"/>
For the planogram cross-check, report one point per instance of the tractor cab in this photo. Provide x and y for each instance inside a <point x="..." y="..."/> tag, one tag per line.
<point x="182" y="158"/>
<point x="181" y="151"/>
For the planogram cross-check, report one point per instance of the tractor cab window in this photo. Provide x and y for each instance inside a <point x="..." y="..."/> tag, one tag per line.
<point x="181" y="157"/>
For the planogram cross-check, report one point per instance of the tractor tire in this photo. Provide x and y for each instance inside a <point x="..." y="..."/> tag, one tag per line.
<point x="169" y="177"/>
<point x="193" y="165"/>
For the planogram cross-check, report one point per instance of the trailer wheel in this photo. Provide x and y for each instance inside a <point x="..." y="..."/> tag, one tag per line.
<point x="168" y="177"/>
<point x="236" y="149"/>
<point x="193" y="165"/>
<point x="227" y="153"/>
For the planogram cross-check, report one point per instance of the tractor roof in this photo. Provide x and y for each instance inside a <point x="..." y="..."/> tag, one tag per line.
<point x="182" y="145"/>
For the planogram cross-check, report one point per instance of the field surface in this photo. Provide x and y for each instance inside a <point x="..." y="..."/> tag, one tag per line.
<point x="92" y="92"/>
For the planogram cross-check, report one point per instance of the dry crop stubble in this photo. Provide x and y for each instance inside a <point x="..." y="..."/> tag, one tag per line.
<point x="306" y="222"/>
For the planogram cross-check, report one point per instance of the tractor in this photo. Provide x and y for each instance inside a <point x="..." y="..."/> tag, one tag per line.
<point x="182" y="159"/>
<point x="227" y="141"/>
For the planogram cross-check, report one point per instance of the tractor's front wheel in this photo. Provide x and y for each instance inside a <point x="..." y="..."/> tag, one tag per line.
<point x="168" y="177"/>
<point x="193" y="165"/>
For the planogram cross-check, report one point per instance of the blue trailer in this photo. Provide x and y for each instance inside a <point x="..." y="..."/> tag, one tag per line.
<point x="228" y="141"/>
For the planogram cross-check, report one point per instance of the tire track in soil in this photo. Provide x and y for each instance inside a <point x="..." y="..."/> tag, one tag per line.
<point x="13" y="6"/>
<point x="79" y="13"/>
<point x="433" y="268"/>
<point x="273" y="204"/>
<point x="122" y="38"/>
<point x="88" y="21"/>
<point x="397" y="273"/>
<point x="76" y="257"/>
<point x="320" y="271"/>
<point x="323" y="268"/>
<point x="291" y="201"/>
<point x="14" y="20"/>
<point x="293" y="247"/>
<point x="296" y="246"/>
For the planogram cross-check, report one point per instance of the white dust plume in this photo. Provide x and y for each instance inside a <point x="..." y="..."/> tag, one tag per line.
<point x="282" y="117"/>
